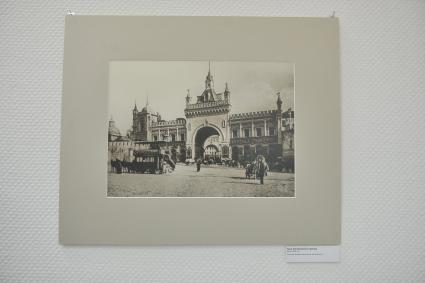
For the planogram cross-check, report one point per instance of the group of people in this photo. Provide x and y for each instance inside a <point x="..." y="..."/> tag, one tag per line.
<point x="258" y="169"/>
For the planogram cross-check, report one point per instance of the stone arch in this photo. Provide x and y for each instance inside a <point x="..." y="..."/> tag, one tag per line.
<point x="200" y="135"/>
<point x="219" y="132"/>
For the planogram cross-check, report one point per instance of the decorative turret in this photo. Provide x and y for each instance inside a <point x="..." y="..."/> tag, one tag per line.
<point x="279" y="103"/>
<point x="135" y="108"/>
<point x="147" y="109"/>
<point x="279" y="118"/>
<point x="188" y="97"/>
<point x="134" y="126"/>
<point x="209" y="94"/>
<point x="209" y="102"/>
<point x="226" y="92"/>
<point x="113" y="132"/>
<point x="209" y="83"/>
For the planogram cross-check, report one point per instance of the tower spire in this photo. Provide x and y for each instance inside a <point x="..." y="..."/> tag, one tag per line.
<point x="226" y="92"/>
<point x="209" y="84"/>
<point x="188" y="98"/>
<point x="135" y="105"/>
<point x="147" y="99"/>
<point x="279" y="102"/>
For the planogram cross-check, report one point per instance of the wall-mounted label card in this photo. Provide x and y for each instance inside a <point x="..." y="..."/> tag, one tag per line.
<point x="312" y="253"/>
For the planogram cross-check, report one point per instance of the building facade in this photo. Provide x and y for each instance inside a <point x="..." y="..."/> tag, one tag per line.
<point x="208" y="116"/>
<point x="209" y="129"/>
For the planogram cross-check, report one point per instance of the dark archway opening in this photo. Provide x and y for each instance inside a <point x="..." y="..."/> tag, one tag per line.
<point x="201" y="136"/>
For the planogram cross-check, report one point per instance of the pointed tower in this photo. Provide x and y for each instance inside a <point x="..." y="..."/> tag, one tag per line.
<point x="135" y="108"/>
<point x="113" y="132"/>
<point x="279" y="103"/>
<point x="134" y="128"/>
<point x="226" y="93"/>
<point x="208" y="116"/>
<point x="209" y="82"/>
<point x="111" y="122"/>
<point x="144" y="121"/>
<point x="208" y="94"/>
<point x="279" y="118"/>
<point x="188" y="97"/>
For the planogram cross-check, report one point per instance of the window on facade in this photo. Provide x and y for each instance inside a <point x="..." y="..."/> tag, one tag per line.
<point x="155" y="138"/>
<point x="235" y="133"/>
<point x="246" y="133"/>
<point x="182" y="137"/>
<point x="258" y="132"/>
<point x="290" y="144"/>
<point x="271" y="131"/>
<point x="173" y="137"/>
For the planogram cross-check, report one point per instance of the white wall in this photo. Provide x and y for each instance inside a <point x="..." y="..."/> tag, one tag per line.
<point x="383" y="118"/>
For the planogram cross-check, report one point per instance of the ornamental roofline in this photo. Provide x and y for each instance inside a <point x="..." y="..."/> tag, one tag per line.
<point x="257" y="114"/>
<point x="209" y="104"/>
<point x="177" y="122"/>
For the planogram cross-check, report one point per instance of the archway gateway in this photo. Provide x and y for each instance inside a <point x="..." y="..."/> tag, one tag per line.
<point x="206" y="117"/>
<point x="200" y="137"/>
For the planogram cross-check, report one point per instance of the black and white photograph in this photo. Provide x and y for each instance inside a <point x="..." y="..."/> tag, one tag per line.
<point x="201" y="129"/>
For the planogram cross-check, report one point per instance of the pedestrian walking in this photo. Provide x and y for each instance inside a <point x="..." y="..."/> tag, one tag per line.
<point x="198" y="165"/>
<point x="261" y="165"/>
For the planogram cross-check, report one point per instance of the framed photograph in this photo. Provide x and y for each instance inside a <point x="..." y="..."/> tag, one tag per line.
<point x="200" y="130"/>
<point x="229" y="133"/>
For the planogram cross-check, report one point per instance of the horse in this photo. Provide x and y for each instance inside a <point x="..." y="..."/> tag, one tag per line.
<point x="116" y="166"/>
<point x="127" y="166"/>
<point x="113" y="164"/>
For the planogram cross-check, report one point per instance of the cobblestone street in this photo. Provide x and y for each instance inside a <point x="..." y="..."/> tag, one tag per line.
<point x="209" y="182"/>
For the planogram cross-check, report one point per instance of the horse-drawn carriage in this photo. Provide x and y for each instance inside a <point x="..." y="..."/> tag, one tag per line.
<point x="252" y="168"/>
<point x="152" y="161"/>
<point x="250" y="171"/>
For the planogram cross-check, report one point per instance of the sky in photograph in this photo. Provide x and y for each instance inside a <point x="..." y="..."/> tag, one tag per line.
<point x="253" y="86"/>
